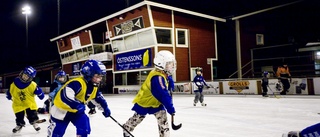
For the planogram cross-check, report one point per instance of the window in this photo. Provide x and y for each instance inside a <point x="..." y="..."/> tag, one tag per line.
<point x="133" y="78"/>
<point x="61" y="43"/>
<point x="317" y="62"/>
<point x="131" y="42"/>
<point x="182" y="38"/>
<point x="120" y="79"/>
<point x="63" y="58"/>
<point x="163" y="36"/>
<point x="79" y="53"/>
<point x="90" y="51"/>
<point x="108" y="48"/>
<point x="143" y="76"/>
<point x="85" y="52"/>
<point x="146" y="38"/>
<point x="73" y="56"/>
<point x="98" y="49"/>
<point x="259" y="39"/>
<point x="118" y="45"/>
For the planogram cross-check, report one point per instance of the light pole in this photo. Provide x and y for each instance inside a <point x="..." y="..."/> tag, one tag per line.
<point x="26" y="10"/>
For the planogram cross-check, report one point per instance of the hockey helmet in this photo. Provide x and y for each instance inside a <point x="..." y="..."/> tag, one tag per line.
<point x="27" y="74"/>
<point x="198" y="69"/>
<point x="265" y="73"/>
<point x="165" y="60"/>
<point x="61" y="76"/>
<point x="93" y="71"/>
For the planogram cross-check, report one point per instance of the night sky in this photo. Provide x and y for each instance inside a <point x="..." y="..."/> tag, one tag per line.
<point x="43" y="22"/>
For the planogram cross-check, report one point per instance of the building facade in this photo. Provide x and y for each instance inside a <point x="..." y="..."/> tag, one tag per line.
<point x="127" y="41"/>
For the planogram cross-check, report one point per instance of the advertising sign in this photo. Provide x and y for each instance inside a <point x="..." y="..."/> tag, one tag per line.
<point x="133" y="60"/>
<point x="182" y="88"/>
<point x="241" y="87"/>
<point x="128" y="26"/>
<point x="128" y="89"/>
<point x="297" y="86"/>
<point x="316" y="85"/>
<point x="76" y="68"/>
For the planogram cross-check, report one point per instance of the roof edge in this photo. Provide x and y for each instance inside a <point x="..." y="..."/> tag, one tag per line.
<point x="134" y="7"/>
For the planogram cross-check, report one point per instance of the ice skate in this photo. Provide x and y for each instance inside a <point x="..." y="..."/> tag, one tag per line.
<point x="265" y="96"/>
<point x="17" y="129"/>
<point x="36" y="127"/>
<point x="203" y="104"/>
<point x="92" y="111"/>
<point x="194" y="104"/>
<point x="292" y="134"/>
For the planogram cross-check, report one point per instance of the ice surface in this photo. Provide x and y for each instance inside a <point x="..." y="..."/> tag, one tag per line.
<point x="224" y="116"/>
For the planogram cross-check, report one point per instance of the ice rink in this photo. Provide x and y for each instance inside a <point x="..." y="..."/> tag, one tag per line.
<point x="224" y="116"/>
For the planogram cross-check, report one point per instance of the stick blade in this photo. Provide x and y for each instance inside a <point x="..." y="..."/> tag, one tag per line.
<point x="41" y="121"/>
<point x="176" y="127"/>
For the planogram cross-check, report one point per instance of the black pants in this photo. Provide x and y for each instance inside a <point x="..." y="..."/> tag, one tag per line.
<point x="286" y="85"/>
<point x="91" y="105"/>
<point x="264" y="89"/>
<point x="31" y="116"/>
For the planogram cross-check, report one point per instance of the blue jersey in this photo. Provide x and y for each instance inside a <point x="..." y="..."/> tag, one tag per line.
<point x="22" y="95"/>
<point x="73" y="94"/>
<point x="199" y="82"/>
<point x="55" y="87"/>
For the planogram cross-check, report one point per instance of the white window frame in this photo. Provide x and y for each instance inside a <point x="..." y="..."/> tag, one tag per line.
<point x="171" y="33"/>
<point x="186" y="45"/>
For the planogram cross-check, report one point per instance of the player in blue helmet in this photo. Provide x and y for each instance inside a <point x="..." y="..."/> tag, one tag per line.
<point x="198" y="88"/>
<point x="265" y="83"/>
<point x="69" y="102"/>
<point x="59" y="79"/>
<point x="21" y="93"/>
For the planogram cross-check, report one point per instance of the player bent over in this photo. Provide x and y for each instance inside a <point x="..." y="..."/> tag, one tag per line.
<point x="22" y="92"/>
<point x="69" y="102"/>
<point x="153" y="96"/>
<point x="199" y="82"/>
<point x="284" y="77"/>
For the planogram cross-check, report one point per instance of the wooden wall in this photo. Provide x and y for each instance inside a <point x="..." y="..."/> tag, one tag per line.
<point x="161" y="17"/>
<point x="202" y="42"/>
<point x="65" y="43"/>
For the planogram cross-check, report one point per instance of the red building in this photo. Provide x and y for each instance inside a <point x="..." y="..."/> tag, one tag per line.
<point x="126" y="42"/>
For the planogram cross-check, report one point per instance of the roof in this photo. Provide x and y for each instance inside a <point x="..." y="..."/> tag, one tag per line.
<point x="135" y="7"/>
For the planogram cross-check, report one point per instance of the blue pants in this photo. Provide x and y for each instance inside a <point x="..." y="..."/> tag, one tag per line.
<point x="81" y="121"/>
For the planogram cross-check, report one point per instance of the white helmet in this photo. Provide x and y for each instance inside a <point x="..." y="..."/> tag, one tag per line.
<point x="165" y="60"/>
